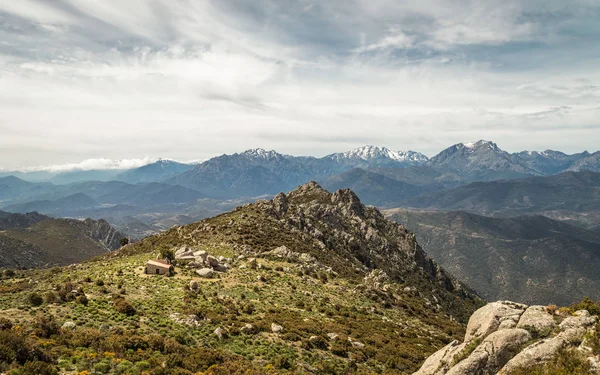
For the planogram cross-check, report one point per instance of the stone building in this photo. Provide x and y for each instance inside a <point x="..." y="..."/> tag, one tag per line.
<point x="159" y="267"/>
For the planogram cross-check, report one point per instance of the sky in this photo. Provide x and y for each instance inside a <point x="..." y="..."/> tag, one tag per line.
<point x="126" y="81"/>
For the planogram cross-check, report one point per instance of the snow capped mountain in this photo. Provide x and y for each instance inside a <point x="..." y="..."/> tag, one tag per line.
<point x="374" y="155"/>
<point x="261" y="153"/>
<point x="482" y="158"/>
<point x="478" y="145"/>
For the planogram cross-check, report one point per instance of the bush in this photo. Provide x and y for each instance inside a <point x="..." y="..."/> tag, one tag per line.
<point x="9" y="273"/>
<point x="35" y="299"/>
<point x="45" y="325"/>
<point x="100" y="282"/>
<point x="124" y="307"/>
<point x="50" y="297"/>
<point x="82" y="300"/>
<point x="589" y="305"/>
<point x="124" y="241"/>
<point x="5" y="324"/>
<point x="39" y="368"/>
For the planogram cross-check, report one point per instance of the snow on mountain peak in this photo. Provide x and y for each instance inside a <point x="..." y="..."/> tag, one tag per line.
<point x="261" y="153"/>
<point x="370" y="152"/>
<point x="472" y="146"/>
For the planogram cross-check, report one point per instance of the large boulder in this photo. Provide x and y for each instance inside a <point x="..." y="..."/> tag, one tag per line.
<point x="440" y="361"/>
<point x="205" y="272"/>
<point x="493" y="316"/>
<point x="212" y="261"/>
<point x="184" y="252"/>
<point x="200" y="255"/>
<point x="493" y="352"/>
<point x="537" y="320"/>
<point x="499" y="340"/>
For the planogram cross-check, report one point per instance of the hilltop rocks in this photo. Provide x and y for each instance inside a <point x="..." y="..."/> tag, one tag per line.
<point x="499" y="340"/>
<point x="493" y="316"/>
<point x="207" y="264"/>
<point x="537" y="320"/>
<point x="205" y="272"/>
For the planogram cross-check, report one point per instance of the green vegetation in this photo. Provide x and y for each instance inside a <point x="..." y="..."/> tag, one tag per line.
<point x="108" y="316"/>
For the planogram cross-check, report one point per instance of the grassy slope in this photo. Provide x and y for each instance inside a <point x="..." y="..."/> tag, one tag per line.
<point x="398" y="326"/>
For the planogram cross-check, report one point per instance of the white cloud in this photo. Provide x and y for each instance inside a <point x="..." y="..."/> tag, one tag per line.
<point x="190" y="80"/>
<point x="90" y="164"/>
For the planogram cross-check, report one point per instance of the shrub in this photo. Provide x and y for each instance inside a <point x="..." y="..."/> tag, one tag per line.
<point x="35" y="299"/>
<point x="124" y="241"/>
<point x="82" y="300"/>
<point x="100" y="282"/>
<point x="124" y="307"/>
<point x="589" y="305"/>
<point x="5" y="324"/>
<point x="102" y="367"/>
<point x="39" y="368"/>
<point x="9" y="273"/>
<point x="50" y="297"/>
<point x="45" y="325"/>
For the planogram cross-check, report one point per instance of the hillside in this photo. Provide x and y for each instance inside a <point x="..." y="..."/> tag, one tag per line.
<point x="309" y="282"/>
<point x="569" y="191"/>
<point x="154" y="172"/>
<point x="34" y="240"/>
<point x="372" y="188"/>
<point x="528" y="259"/>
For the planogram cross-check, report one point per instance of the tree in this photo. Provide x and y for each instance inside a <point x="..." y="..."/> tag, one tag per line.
<point x="167" y="254"/>
<point x="124" y="241"/>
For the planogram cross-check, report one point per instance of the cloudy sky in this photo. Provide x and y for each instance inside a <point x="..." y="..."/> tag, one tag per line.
<point x="190" y="79"/>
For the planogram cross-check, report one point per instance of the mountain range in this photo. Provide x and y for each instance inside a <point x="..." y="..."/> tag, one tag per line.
<point x="481" y="160"/>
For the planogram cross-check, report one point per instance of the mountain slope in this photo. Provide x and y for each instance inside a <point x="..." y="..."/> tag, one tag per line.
<point x="251" y="173"/>
<point x="372" y="188"/>
<point x="570" y="191"/>
<point x="335" y="228"/>
<point x="154" y="172"/>
<point x="373" y="156"/>
<point x="587" y="163"/>
<point x="317" y="305"/>
<point x="529" y="259"/>
<point x="481" y="160"/>
<point x="259" y="172"/>
<point x="151" y="194"/>
<point x="35" y="241"/>
<point x="549" y="162"/>
<point x="71" y="203"/>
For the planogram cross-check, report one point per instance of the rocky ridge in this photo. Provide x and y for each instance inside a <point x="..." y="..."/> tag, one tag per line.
<point x="503" y="337"/>
<point x="329" y="232"/>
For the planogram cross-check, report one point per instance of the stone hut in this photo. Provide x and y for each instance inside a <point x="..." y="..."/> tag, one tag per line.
<point x="159" y="267"/>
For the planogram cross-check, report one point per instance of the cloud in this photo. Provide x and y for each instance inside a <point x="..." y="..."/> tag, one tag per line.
<point x="193" y="79"/>
<point x="91" y="164"/>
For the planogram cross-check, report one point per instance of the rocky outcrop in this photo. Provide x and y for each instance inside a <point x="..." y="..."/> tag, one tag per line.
<point x="492" y="317"/>
<point x="200" y="260"/>
<point x="504" y="336"/>
<point x="103" y="232"/>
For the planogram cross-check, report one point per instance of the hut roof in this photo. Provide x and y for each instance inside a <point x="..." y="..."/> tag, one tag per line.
<point x="159" y="263"/>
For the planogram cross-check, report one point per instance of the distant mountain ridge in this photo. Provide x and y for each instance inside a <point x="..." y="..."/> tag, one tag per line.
<point x="532" y="259"/>
<point x="572" y="191"/>
<point x="158" y="171"/>
<point x="34" y="240"/>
